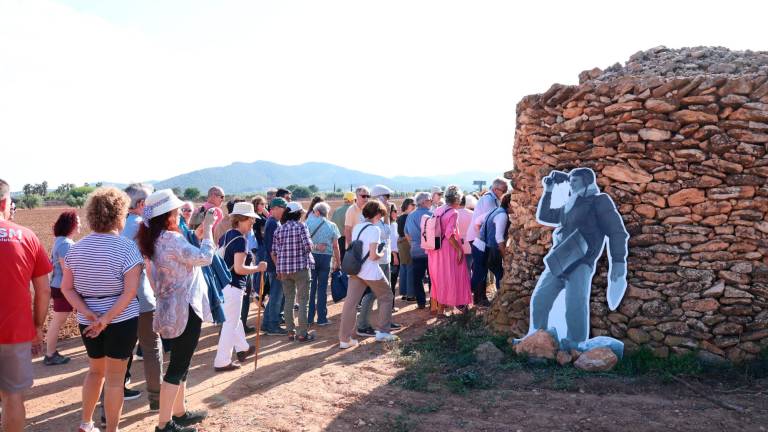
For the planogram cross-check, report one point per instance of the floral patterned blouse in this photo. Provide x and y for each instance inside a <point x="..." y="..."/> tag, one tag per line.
<point x="178" y="282"/>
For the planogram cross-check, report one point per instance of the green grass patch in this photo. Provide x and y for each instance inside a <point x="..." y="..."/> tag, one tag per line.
<point x="443" y="358"/>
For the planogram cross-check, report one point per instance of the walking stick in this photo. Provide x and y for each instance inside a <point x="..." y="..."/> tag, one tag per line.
<point x="258" y="320"/>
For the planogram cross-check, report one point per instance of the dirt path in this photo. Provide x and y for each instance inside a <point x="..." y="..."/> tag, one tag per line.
<point x="316" y="387"/>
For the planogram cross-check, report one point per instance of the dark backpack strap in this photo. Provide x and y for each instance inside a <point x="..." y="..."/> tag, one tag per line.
<point x="363" y="229"/>
<point x="312" y="234"/>
<point x="490" y="216"/>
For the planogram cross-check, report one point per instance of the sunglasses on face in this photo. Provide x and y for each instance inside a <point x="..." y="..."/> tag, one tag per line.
<point x="186" y="210"/>
<point x="365" y="196"/>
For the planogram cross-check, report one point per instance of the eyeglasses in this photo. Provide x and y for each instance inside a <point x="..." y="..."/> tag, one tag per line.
<point x="364" y="196"/>
<point x="386" y="196"/>
<point x="186" y="210"/>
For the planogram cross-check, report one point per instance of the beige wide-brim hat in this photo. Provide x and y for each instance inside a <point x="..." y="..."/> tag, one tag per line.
<point x="159" y="203"/>
<point x="244" y="209"/>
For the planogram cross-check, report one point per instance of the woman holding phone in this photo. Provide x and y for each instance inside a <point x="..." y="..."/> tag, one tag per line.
<point x="182" y="299"/>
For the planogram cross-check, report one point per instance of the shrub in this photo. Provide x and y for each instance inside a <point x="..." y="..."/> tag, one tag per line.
<point x="32" y="201"/>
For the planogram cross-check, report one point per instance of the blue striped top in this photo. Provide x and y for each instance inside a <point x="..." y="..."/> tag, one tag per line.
<point x="99" y="263"/>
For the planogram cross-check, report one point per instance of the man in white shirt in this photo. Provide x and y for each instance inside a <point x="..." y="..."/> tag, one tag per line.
<point x="487" y="203"/>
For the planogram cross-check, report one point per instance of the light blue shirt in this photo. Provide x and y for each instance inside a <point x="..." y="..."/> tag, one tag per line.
<point x="251" y="239"/>
<point x="145" y="294"/>
<point x="413" y="229"/>
<point x="328" y="234"/>
<point x="59" y="251"/>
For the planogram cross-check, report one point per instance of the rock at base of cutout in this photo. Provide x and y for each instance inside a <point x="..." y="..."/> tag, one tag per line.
<point x="597" y="360"/>
<point x="540" y="344"/>
<point x="563" y="358"/>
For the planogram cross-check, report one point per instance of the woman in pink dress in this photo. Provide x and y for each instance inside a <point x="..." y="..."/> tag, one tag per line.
<point x="447" y="269"/>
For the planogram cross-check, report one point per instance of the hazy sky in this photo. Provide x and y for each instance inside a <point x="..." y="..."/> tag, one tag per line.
<point x="146" y="89"/>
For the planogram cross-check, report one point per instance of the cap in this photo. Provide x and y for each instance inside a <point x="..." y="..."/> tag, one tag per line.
<point x="278" y="202"/>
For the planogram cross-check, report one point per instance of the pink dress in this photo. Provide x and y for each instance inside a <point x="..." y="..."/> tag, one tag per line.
<point x="450" y="279"/>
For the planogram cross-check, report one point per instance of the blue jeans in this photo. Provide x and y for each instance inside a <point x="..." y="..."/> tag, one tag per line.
<point x="419" y="266"/>
<point x="479" y="280"/>
<point x="405" y="280"/>
<point x="318" y="289"/>
<point x="274" y="305"/>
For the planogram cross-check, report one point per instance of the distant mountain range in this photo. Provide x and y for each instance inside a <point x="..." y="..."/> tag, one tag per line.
<point x="257" y="176"/>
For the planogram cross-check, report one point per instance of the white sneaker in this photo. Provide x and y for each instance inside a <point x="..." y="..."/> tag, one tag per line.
<point x="350" y="344"/>
<point x="88" y="427"/>
<point x="386" y="337"/>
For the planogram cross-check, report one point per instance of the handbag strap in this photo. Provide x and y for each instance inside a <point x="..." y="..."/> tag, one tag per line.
<point x="312" y="234"/>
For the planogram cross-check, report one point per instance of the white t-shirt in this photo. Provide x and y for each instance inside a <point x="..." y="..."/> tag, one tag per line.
<point x="500" y="221"/>
<point x="370" y="269"/>
<point x="393" y="237"/>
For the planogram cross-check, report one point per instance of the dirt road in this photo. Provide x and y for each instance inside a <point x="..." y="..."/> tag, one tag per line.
<point x="317" y="387"/>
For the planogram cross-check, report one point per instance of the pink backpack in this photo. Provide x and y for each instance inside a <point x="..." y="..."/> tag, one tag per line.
<point x="431" y="232"/>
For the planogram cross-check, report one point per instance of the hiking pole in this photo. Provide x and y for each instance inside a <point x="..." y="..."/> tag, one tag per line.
<point x="258" y="319"/>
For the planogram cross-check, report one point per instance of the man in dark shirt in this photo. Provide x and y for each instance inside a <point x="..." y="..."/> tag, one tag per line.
<point x="271" y="323"/>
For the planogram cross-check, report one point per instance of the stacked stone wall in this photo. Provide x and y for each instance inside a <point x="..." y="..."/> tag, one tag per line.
<point x="684" y="157"/>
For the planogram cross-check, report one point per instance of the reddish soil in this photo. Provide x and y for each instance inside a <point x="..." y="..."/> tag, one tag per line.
<point x="317" y="387"/>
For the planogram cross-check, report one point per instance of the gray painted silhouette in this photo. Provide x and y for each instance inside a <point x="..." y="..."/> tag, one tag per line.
<point x="585" y="220"/>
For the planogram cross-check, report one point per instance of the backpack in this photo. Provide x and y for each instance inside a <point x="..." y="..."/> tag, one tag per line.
<point x="355" y="255"/>
<point x="222" y="250"/>
<point x="431" y="232"/>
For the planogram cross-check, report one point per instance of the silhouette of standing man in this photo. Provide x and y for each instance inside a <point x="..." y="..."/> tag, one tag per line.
<point x="583" y="224"/>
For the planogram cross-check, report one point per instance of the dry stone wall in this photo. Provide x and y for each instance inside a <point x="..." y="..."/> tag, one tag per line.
<point x="678" y="138"/>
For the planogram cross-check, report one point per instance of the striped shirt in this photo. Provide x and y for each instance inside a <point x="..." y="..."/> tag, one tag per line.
<point x="292" y="246"/>
<point x="98" y="263"/>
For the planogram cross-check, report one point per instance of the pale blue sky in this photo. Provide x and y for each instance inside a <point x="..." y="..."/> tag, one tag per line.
<point x="130" y="90"/>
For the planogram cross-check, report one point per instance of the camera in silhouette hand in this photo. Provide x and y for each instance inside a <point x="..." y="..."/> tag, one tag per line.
<point x="556" y="177"/>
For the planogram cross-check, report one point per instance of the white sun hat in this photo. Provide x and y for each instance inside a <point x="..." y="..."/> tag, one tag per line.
<point x="159" y="203"/>
<point x="244" y="209"/>
<point x="380" y="190"/>
<point x="294" y="207"/>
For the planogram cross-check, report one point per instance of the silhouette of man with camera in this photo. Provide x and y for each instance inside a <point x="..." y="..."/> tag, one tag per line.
<point x="586" y="221"/>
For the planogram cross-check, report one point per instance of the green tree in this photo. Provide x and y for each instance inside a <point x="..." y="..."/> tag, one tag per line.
<point x="64" y="189"/>
<point x="191" y="194"/>
<point x="177" y="191"/>
<point x="299" y="191"/>
<point x="32" y="201"/>
<point x="312" y="188"/>
<point x="75" y="201"/>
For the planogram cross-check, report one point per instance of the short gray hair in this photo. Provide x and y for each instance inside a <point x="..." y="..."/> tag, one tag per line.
<point x="362" y="188"/>
<point x="499" y="182"/>
<point x="421" y="197"/>
<point x="453" y="194"/>
<point x="323" y="208"/>
<point x="138" y="192"/>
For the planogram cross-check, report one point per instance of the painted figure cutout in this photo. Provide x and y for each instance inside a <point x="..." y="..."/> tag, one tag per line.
<point x="585" y="222"/>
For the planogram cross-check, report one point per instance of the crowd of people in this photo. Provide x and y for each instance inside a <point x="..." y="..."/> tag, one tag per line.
<point x="154" y="268"/>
